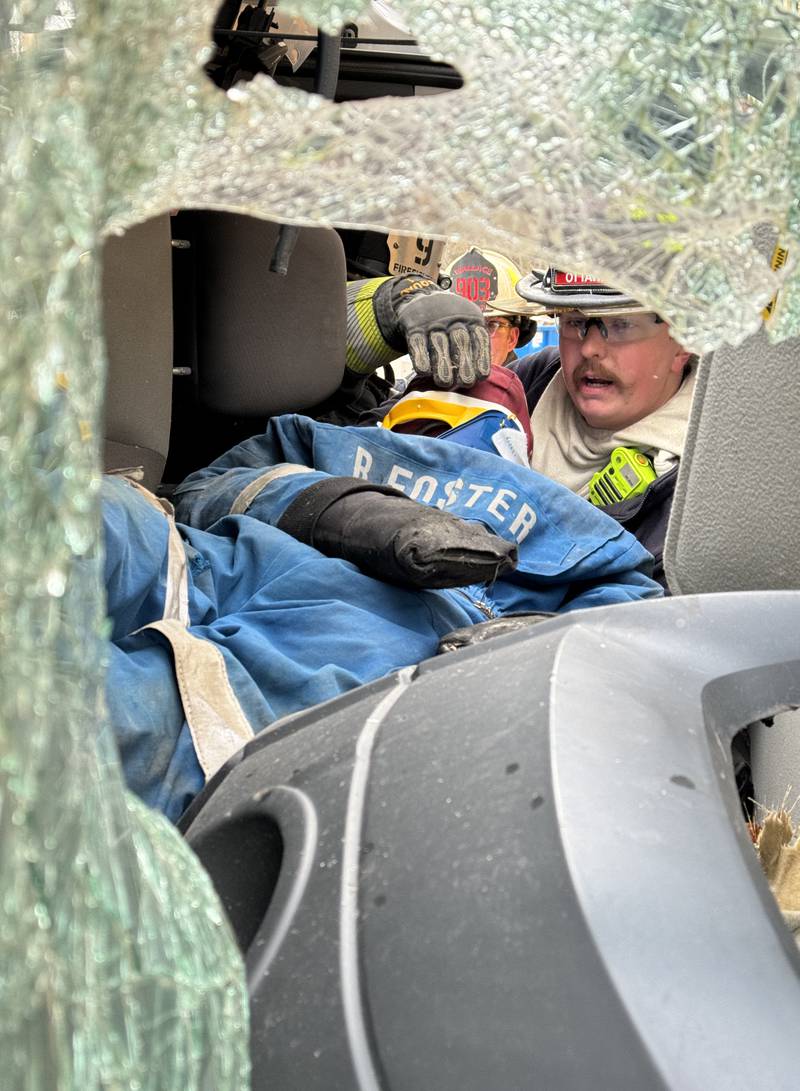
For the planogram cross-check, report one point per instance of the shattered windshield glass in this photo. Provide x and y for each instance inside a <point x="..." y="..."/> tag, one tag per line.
<point x="649" y="144"/>
<point x="641" y="143"/>
<point x="119" y="969"/>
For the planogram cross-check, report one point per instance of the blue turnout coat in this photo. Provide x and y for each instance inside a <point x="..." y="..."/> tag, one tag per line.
<point x="222" y="624"/>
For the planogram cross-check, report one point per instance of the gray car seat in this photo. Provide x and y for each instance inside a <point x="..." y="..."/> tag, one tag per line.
<point x="267" y="343"/>
<point x="251" y="343"/>
<point x="137" y="317"/>
<point x="736" y="513"/>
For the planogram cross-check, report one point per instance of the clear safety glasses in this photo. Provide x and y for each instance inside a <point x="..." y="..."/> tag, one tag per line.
<point x="616" y="328"/>
<point x="495" y="324"/>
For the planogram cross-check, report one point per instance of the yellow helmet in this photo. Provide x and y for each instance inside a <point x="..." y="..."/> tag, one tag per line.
<point x="488" y="279"/>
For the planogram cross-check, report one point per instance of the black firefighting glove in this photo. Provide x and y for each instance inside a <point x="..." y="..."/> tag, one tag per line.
<point x="394" y="538"/>
<point x="443" y="333"/>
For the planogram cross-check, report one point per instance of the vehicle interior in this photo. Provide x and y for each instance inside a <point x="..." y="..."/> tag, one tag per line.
<point x="619" y="818"/>
<point x="209" y="290"/>
<point x="562" y="857"/>
<point x="221" y="358"/>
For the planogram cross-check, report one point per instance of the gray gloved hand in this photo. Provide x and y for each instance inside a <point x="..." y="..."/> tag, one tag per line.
<point x="444" y="334"/>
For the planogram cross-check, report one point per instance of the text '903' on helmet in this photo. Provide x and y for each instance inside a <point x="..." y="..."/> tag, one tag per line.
<point x="488" y="279"/>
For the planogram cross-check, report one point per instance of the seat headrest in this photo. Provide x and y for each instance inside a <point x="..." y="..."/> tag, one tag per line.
<point x="267" y="343"/>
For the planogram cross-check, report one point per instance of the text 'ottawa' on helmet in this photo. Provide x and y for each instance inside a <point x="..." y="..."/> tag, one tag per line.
<point x="488" y="279"/>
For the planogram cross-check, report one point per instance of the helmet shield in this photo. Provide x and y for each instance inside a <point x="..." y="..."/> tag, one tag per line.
<point x="473" y="276"/>
<point x="488" y="279"/>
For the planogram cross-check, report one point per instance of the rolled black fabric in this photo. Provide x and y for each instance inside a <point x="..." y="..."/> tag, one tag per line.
<point x="487" y="630"/>
<point x="394" y="538"/>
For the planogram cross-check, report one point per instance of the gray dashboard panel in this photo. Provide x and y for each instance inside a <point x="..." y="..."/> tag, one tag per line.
<point x="521" y="865"/>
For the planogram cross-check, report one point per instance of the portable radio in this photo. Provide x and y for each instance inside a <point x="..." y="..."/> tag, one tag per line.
<point x="628" y="473"/>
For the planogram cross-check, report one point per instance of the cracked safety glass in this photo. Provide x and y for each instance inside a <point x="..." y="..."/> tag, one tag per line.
<point x="647" y="144"/>
<point x="119" y="968"/>
<point x="652" y="145"/>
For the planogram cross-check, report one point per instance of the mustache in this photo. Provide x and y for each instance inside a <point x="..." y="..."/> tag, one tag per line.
<point x="597" y="371"/>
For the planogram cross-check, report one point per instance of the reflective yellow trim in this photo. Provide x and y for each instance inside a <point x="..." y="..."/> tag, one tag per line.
<point x="366" y="347"/>
<point x="176" y="593"/>
<point x="779" y="256"/>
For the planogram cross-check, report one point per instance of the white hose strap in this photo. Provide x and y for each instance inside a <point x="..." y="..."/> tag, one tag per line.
<point x="216" y="720"/>
<point x="258" y="484"/>
<point x="176" y="593"/>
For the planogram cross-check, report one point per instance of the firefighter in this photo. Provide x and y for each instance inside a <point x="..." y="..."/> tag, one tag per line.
<point x="610" y="405"/>
<point x="488" y="279"/>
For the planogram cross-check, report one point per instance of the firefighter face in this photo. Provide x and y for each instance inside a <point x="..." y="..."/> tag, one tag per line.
<point x="615" y="383"/>
<point x="503" y="337"/>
